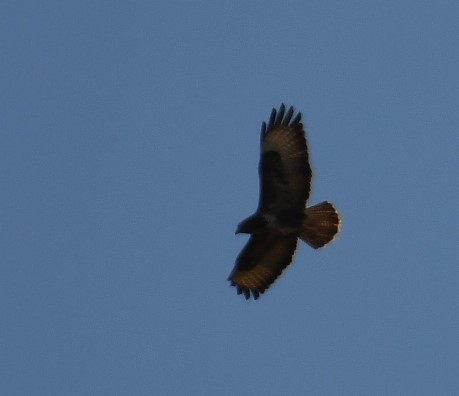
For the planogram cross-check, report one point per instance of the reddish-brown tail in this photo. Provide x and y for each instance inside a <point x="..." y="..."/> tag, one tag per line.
<point x="321" y="225"/>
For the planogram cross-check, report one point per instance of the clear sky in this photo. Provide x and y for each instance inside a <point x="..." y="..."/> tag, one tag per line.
<point x="129" y="137"/>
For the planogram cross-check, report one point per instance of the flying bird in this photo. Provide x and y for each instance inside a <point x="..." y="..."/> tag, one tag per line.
<point x="282" y="216"/>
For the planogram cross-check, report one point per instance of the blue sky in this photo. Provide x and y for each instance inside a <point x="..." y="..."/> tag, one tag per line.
<point x="128" y="154"/>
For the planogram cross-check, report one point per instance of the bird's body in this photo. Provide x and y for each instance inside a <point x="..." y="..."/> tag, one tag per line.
<point x="282" y="216"/>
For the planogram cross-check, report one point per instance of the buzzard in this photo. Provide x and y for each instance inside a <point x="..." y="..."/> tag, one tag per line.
<point x="282" y="216"/>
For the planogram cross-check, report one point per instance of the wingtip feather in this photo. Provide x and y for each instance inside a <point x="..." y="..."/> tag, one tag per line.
<point x="280" y="115"/>
<point x="296" y="120"/>
<point x="263" y="131"/>
<point x="288" y="116"/>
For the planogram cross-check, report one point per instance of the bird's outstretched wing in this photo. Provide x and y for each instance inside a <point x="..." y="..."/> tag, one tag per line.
<point x="284" y="170"/>
<point x="262" y="260"/>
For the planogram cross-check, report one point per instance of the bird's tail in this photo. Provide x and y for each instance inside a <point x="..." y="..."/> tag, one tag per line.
<point x="321" y="225"/>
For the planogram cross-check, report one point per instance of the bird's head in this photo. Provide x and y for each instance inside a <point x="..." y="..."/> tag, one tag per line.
<point x="251" y="225"/>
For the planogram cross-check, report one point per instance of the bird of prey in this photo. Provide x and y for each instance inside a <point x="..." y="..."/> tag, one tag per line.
<point x="282" y="216"/>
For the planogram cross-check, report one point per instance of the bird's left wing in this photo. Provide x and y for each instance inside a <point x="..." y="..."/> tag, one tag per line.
<point x="262" y="260"/>
<point x="285" y="173"/>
